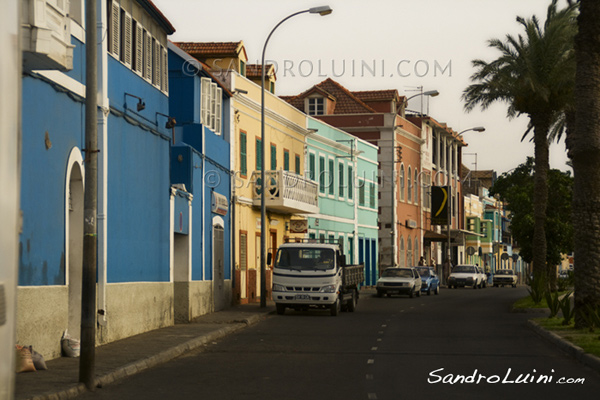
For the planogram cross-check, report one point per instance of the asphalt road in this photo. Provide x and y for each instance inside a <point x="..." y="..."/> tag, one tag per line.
<point x="390" y="348"/>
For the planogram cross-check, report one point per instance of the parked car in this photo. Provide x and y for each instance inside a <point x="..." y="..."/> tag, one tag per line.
<point x="464" y="275"/>
<point x="505" y="277"/>
<point x="429" y="280"/>
<point x="399" y="281"/>
<point x="484" y="277"/>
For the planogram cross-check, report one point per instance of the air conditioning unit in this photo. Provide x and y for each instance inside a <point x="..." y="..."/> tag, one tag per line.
<point x="410" y="223"/>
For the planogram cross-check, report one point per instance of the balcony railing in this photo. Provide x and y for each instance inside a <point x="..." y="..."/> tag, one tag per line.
<point x="287" y="192"/>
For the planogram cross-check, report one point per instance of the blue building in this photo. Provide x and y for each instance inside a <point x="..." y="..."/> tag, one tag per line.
<point x="200" y="172"/>
<point x="134" y="217"/>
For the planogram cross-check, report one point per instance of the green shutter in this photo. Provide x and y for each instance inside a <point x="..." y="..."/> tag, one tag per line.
<point x="322" y="174"/>
<point x="341" y="181"/>
<point x="350" y="186"/>
<point x="297" y="158"/>
<point x="243" y="155"/>
<point x="331" y="176"/>
<point x="311" y="166"/>
<point x="273" y="157"/>
<point x="286" y="160"/>
<point x="258" y="154"/>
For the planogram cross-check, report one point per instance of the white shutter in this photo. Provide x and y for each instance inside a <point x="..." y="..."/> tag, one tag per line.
<point x="156" y="63"/>
<point x="148" y="56"/>
<point x="139" y="48"/>
<point x="205" y="101"/>
<point x="218" y="103"/>
<point x="126" y="40"/>
<point x="213" y="98"/>
<point x="165" y="71"/>
<point x="115" y="29"/>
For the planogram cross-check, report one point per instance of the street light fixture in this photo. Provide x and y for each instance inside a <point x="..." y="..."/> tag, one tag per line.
<point x="448" y="252"/>
<point x="322" y="10"/>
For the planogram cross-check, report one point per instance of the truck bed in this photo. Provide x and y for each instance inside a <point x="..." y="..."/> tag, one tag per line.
<point x="353" y="275"/>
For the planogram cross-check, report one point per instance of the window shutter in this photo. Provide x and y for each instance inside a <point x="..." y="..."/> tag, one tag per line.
<point x="115" y="29"/>
<point x="243" y="157"/>
<point x="218" y="102"/>
<point x="213" y="105"/>
<point x="139" y="48"/>
<point x="205" y="101"/>
<point x="156" y="62"/>
<point x="126" y="40"/>
<point x="148" y="56"/>
<point x="165" y="71"/>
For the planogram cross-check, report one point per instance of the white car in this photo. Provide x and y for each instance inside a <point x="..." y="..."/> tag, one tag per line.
<point x="399" y="281"/>
<point x="505" y="277"/>
<point x="465" y="275"/>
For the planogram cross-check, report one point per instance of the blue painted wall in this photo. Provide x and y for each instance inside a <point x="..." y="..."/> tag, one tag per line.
<point x="204" y="164"/>
<point x="42" y="242"/>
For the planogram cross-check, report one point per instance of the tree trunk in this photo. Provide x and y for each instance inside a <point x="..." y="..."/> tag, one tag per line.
<point x="584" y="150"/>
<point x="540" y="198"/>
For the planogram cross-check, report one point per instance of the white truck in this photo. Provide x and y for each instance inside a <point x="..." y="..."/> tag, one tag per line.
<point x="314" y="273"/>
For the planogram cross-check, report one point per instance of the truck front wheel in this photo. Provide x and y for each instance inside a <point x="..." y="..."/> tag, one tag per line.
<point x="335" y="308"/>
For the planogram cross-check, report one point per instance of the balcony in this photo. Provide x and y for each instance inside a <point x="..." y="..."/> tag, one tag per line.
<point x="287" y="193"/>
<point x="46" y="34"/>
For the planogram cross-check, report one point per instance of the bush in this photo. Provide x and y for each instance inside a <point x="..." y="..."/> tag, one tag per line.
<point x="552" y="299"/>
<point x="537" y="289"/>
<point x="591" y="316"/>
<point x="567" y="310"/>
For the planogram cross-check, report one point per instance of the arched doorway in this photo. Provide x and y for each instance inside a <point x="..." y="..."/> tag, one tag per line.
<point x="74" y="239"/>
<point x="218" y="263"/>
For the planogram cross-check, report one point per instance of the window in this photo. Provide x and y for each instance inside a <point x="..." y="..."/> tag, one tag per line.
<point x="243" y="250"/>
<point x="243" y="154"/>
<point x="372" y="195"/>
<point x="350" y="186"/>
<point x="416" y="187"/>
<point x="126" y="35"/>
<point x="316" y="106"/>
<point x="409" y="254"/>
<point x="114" y="37"/>
<point x="286" y="160"/>
<point x="361" y="193"/>
<point x="402" y="255"/>
<point x="138" y="48"/>
<point x="311" y="166"/>
<point x="322" y="174"/>
<point x="402" y="182"/>
<point x="258" y="152"/>
<point x="210" y="105"/>
<point x="273" y="157"/>
<point x="341" y="181"/>
<point x="417" y="255"/>
<point x="331" y="176"/>
<point x="409" y="176"/>
<point x="434" y="143"/>
<point x="297" y="164"/>
<point x="242" y="68"/>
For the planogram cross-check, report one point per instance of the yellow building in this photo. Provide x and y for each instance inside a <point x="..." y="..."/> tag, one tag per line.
<point x="289" y="196"/>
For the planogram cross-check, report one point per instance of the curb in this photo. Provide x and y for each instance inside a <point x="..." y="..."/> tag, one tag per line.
<point x="576" y="352"/>
<point x="163" y="357"/>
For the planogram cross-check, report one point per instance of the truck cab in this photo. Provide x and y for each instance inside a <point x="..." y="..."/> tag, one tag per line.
<point x="314" y="274"/>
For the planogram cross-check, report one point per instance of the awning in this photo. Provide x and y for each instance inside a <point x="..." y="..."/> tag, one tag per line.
<point x="432" y="236"/>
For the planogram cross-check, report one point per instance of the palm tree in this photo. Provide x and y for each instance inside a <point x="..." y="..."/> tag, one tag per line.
<point x="534" y="75"/>
<point x="583" y="145"/>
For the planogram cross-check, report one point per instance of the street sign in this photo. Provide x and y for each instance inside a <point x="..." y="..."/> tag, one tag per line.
<point x="440" y="197"/>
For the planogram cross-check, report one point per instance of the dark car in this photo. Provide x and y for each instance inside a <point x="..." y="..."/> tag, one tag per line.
<point x="430" y="282"/>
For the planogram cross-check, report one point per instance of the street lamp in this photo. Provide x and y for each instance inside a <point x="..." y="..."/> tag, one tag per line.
<point x="430" y="93"/>
<point x="322" y="10"/>
<point x="448" y="252"/>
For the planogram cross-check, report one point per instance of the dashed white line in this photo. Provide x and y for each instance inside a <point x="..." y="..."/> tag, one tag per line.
<point x="372" y="396"/>
<point x="373" y="348"/>
<point x="369" y="377"/>
<point x="370" y="361"/>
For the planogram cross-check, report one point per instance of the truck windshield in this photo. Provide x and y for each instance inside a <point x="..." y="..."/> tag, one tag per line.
<point x="305" y="259"/>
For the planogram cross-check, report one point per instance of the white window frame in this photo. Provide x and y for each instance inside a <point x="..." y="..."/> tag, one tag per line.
<point x="115" y="28"/>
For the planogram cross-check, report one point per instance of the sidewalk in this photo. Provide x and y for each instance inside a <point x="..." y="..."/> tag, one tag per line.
<point x="129" y="356"/>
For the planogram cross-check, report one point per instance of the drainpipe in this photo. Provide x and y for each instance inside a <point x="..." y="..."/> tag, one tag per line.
<point x="102" y="163"/>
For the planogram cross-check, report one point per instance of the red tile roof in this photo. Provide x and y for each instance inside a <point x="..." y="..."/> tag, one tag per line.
<point x="378" y="95"/>
<point x="254" y="70"/>
<point x="345" y="101"/>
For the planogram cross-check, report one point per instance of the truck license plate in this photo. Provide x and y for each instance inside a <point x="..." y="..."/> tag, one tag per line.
<point x="302" y="297"/>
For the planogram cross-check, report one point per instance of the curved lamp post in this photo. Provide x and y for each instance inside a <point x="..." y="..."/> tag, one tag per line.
<point x="323" y="10"/>
<point x="448" y="252"/>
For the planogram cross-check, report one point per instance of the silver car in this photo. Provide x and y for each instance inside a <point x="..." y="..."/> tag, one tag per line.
<point x="399" y="281"/>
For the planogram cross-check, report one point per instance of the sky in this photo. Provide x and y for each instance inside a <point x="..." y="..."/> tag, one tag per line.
<point x="381" y="44"/>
